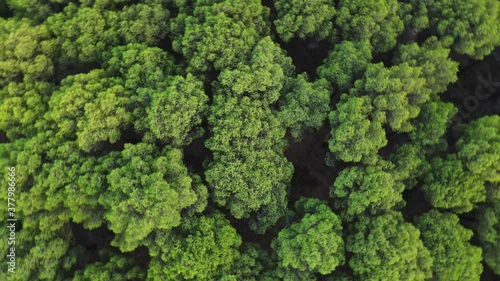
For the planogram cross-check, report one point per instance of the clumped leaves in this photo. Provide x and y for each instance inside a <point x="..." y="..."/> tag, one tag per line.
<point x="448" y="241"/>
<point x="356" y="135"/>
<point x="367" y="190"/>
<point x="177" y="110"/>
<point x="199" y="249"/>
<point x="304" y="18"/>
<point x="374" y="20"/>
<point x="479" y="147"/>
<point x="450" y="186"/>
<point x="346" y="63"/>
<point x="387" y="248"/>
<point x="147" y="136"/>
<point x="147" y="191"/>
<point x="313" y="243"/>
<point x="489" y="229"/>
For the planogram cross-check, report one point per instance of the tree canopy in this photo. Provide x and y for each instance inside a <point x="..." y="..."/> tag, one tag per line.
<point x="314" y="243"/>
<point x="448" y="241"/>
<point x="249" y="140"/>
<point x="304" y="19"/>
<point x="450" y="186"/>
<point x="489" y="229"/>
<point x="388" y="248"/>
<point x="199" y="249"/>
<point x="470" y="27"/>
<point x="374" y="20"/>
<point x="372" y="190"/>
<point x="481" y="155"/>
<point x="150" y="185"/>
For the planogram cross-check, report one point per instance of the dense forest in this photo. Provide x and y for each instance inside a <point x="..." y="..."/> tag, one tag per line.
<point x="250" y="140"/>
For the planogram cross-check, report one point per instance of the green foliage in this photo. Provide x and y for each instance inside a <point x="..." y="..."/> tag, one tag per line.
<point x="391" y="96"/>
<point x="143" y="23"/>
<point x="346" y="63"/>
<point x="252" y="13"/>
<point x="246" y="176"/>
<point x="21" y="153"/>
<point x="313" y="243"/>
<point x="249" y="182"/>
<point x="164" y="127"/>
<point x="414" y="15"/>
<point x="304" y="18"/>
<point x="177" y="110"/>
<point x="42" y="183"/>
<point x="253" y="264"/>
<point x="82" y="194"/>
<point x="27" y="52"/>
<point x="369" y="190"/>
<point x="432" y="122"/>
<point x="38" y="10"/>
<point x="448" y="241"/>
<point x="489" y="229"/>
<point x="479" y="147"/>
<point x="219" y="41"/>
<point x="386" y="248"/>
<point x="437" y="68"/>
<point x="373" y="20"/>
<point x="140" y="66"/>
<point x="66" y="186"/>
<point x="92" y="107"/>
<point x="243" y="123"/>
<point x="261" y="77"/>
<point x="409" y="164"/>
<point x="305" y="105"/>
<point x="35" y="262"/>
<point x="147" y="191"/>
<point x="397" y="93"/>
<point x="103" y="4"/>
<point x="22" y="107"/>
<point x="103" y="119"/>
<point x="270" y="213"/>
<point x="356" y="135"/>
<point x="471" y="27"/>
<point x="249" y="173"/>
<point x="147" y="71"/>
<point x="50" y="266"/>
<point x="219" y="34"/>
<point x="448" y="185"/>
<point x="44" y="242"/>
<point x="93" y="32"/>
<point x="114" y="268"/>
<point x="199" y="249"/>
